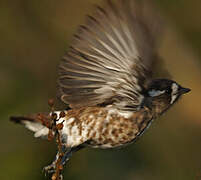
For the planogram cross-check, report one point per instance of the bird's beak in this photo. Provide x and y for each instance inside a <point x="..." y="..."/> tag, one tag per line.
<point x="184" y="90"/>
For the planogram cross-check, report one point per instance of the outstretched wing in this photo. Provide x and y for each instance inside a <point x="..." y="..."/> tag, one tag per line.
<point x="110" y="59"/>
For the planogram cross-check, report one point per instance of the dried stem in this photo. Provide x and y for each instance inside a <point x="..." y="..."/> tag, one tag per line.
<point x="50" y="122"/>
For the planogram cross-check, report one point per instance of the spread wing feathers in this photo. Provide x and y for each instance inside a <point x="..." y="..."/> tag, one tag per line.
<point x="110" y="58"/>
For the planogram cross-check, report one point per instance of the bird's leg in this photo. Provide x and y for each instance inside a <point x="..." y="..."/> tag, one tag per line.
<point x="69" y="153"/>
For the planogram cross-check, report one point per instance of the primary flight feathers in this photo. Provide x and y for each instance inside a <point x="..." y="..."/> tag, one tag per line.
<point x="111" y="57"/>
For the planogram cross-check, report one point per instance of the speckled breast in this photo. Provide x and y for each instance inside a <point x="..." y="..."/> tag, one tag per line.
<point x="119" y="129"/>
<point x="104" y="127"/>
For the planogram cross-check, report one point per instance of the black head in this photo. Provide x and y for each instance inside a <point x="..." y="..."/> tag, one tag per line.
<point x="166" y="90"/>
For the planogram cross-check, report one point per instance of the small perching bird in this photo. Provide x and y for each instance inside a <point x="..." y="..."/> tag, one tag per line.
<point x="105" y="78"/>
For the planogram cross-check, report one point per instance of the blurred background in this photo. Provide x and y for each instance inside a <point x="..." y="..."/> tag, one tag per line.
<point x="34" y="36"/>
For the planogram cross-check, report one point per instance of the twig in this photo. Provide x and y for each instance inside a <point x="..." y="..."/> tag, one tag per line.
<point x="50" y="122"/>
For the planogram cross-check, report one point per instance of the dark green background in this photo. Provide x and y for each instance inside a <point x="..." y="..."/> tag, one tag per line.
<point x="33" y="37"/>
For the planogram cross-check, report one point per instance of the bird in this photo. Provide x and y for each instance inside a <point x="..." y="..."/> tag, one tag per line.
<point x="105" y="79"/>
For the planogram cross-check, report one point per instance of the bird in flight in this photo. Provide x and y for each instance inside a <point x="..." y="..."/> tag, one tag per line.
<point x="106" y="79"/>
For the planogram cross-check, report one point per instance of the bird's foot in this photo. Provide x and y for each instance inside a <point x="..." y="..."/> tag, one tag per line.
<point x="50" y="169"/>
<point x="53" y="171"/>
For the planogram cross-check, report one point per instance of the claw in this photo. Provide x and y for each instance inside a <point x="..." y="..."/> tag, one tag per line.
<point x="50" y="169"/>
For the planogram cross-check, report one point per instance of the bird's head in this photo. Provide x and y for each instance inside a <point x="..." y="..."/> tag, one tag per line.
<point x="164" y="92"/>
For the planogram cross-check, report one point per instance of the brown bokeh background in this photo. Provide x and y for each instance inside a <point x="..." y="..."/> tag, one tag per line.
<point x="33" y="37"/>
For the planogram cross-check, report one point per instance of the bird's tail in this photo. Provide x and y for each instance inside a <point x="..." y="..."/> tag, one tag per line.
<point x="36" y="123"/>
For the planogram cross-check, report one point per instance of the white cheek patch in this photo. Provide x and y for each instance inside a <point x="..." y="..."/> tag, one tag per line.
<point x="174" y="94"/>
<point x="154" y="93"/>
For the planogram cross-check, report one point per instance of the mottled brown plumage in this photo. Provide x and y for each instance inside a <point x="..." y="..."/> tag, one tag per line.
<point x="106" y="127"/>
